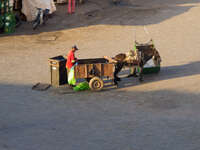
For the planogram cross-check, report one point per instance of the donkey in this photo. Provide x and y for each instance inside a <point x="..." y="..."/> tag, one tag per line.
<point x="135" y="59"/>
<point x="121" y="60"/>
<point x="147" y="51"/>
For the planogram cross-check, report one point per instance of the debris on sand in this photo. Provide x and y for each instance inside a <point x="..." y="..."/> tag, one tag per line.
<point x="41" y="86"/>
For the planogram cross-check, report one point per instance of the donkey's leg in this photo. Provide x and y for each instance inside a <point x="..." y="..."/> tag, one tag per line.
<point x="141" y="75"/>
<point x="133" y="72"/>
<point x="118" y="68"/>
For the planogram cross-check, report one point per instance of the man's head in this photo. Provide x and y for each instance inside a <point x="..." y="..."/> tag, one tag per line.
<point x="74" y="48"/>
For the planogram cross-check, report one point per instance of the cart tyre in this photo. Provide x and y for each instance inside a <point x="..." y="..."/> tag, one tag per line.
<point x="96" y="84"/>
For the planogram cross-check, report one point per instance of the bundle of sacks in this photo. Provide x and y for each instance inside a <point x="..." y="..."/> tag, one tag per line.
<point x="29" y="7"/>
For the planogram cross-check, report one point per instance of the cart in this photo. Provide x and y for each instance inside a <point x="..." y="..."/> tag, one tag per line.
<point x="94" y="70"/>
<point x="146" y="50"/>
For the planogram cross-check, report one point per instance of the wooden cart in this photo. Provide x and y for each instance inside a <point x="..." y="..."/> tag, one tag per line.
<point x="93" y="70"/>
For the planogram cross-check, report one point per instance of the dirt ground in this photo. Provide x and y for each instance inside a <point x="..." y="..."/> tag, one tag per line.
<point x="160" y="113"/>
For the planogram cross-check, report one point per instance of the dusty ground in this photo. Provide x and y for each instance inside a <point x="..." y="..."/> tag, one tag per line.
<point x="161" y="113"/>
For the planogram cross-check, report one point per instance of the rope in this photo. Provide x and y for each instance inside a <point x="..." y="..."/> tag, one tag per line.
<point x="135" y="33"/>
<point x="147" y="32"/>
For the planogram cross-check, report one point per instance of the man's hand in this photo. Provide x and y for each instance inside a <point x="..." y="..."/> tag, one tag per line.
<point x="106" y="57"/>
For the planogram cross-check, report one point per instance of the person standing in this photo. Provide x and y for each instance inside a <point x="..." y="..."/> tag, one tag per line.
<point x="71" y="6"/>
<point x="71" y="60"/>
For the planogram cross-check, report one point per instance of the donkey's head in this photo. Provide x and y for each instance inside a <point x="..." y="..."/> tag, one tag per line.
<point x="156" y="57"/>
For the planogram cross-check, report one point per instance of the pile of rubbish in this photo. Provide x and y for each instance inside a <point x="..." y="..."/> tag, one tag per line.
<point x="82" y="87"/>
<point x="30" y="7"/>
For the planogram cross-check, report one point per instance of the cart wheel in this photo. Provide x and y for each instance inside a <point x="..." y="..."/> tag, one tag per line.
<point x="96" y="84"/>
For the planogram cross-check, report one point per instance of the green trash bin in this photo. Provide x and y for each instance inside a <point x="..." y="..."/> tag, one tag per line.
<point x="58" y="71"/>
<point x="1" y="16"/>
<point x="7" y="17"/>
<point x="10" y="23"/>
<point x="1" y="21"/>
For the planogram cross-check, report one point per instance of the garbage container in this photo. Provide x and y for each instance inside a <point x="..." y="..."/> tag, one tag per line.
<point x="58" y="71"/>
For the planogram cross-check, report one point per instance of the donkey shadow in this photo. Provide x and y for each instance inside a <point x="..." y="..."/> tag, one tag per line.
<point x="166" y="73"/>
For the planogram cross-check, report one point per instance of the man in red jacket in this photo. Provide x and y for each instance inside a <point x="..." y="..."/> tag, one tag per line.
<point x="71" y="57"/>
<point x="71" y="60"/>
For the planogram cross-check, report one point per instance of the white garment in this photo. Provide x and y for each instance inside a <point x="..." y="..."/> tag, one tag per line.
<point x="149" y="64"/>
<point x="29" y="7"/>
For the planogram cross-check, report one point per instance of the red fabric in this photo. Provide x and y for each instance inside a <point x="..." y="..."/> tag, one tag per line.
<point x="70" y="58"/>
<point x="71" y="6"/>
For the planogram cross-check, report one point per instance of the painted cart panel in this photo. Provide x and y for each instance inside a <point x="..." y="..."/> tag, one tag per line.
<point x="88" y="68"/>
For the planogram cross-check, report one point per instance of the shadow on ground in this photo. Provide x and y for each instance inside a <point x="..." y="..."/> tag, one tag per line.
<point x="105" y="13"/>
<point x="166" y="73"/>
<point x="106" y="120"/>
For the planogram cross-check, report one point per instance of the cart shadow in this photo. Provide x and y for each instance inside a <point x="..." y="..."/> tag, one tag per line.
<point x="166" y="73"/>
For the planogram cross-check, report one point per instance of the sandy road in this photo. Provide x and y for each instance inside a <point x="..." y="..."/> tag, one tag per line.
<point x="161" y="113"/>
